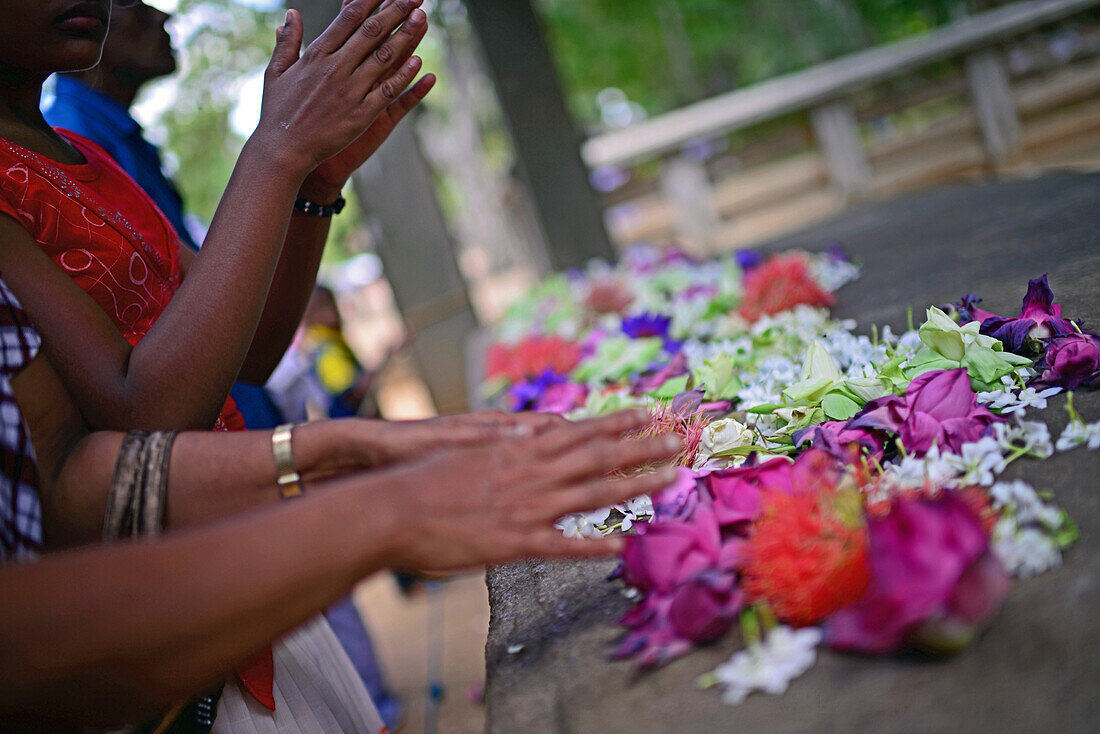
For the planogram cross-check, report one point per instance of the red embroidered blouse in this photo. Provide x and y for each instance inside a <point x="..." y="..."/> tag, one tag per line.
<point x="98" y="226"/>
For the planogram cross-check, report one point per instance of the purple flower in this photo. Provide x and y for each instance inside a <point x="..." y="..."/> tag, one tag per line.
<point x="561" y="398"/>
<point x="652" y="381"/>
<point x="967" y="309"/>
<point x="691" y="590"/>
<point x="678" y="500"/>
<point x="528" y="393"/>
<point x="748" y="258"/>
<point x="938" y="408"/>
<point x="650" y="325"/>
<point x="664" y="555"/>
<point x="835" y="437"/>
<point x="1040" y="318"/>
<point x="930" y="563"/>
<point x="1071" y="362"/>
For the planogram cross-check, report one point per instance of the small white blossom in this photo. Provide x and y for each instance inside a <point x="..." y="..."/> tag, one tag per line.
<point x="722" y="436"/>
<point x="1079" y="434"/>
<point x="1008" y="402"/>
<point x="639" y="509"/>
<point x="769" y="666"/>
<point x="1031" y="437"/>
<point x="1024" y="552"/>
<point x="978" y="462"/>
<point x="584" y="524"/>
<point x="1021" y="500"/>
<point x="933" y="469"/>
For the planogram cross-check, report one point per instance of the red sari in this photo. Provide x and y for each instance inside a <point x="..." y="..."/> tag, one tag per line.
<point x="104" y="231"/>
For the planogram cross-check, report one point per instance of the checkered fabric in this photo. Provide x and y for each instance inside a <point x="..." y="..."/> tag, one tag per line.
<point x="20" y="510"/>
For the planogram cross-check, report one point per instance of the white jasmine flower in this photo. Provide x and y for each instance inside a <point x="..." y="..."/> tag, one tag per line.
<point x="584" y="524"/>
<point x="1032" y="437"/>
<point x="1028" y="398"/>
<point x="1077" y="434"/>
<point x="1020" y="500"/>
<point x="639" y="509"/>
<point x="979" y="462"/>
<point x="1024" y="552"/>
<point x="933" y="469"/>
<point x="769" y="666"/>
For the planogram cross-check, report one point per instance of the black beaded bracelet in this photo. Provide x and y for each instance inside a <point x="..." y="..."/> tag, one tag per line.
<point x="314" y="209"/>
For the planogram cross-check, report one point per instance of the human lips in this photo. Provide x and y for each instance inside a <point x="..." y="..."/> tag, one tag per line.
<point x="83" y="17"/>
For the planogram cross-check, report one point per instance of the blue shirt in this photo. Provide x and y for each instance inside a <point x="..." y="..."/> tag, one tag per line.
<point x="104" y="121"/>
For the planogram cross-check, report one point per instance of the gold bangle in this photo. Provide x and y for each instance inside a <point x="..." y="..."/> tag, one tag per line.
<point x="286" y="474"/>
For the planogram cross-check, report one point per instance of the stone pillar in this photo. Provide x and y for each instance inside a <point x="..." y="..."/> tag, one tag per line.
<point x="837" y="132"/>
<point x="994" y="105"/>
<point x="546" y="143"/>
<point x="396" y="191"/>
<point x="685" y="185"/>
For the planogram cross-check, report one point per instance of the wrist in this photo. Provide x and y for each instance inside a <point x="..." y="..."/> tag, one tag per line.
<point x="273" y="154"/>
<point x="319" y="192"/>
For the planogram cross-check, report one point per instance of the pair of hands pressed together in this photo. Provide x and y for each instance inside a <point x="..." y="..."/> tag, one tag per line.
<point x="462" y="490"/>
<point x="327" y="110"/>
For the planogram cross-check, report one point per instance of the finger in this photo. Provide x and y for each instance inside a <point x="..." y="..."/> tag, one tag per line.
<point x="288" y="44"/>
<point x="564" y="437"/>
<point x="603" y="492"/>
<point x="353" y="14"/>
<point x="376" y="29"/>
<point x="552" y="544"/>
<point x="603" y="456"/>
<point x="391" y="88"/>
<point x="398" y="48"/>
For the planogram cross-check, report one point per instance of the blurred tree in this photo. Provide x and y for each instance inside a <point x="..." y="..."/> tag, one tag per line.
<point x="221" y="45"/>
<point x="649" y="48"/>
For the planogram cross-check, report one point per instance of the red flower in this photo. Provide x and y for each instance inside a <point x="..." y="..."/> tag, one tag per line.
<point x="804" y="558"/>
<point x="780" y="284"/>
<point x="531" y="357"/>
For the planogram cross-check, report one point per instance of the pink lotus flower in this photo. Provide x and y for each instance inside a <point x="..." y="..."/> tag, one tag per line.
<point x="930" y="564"/>
<point x="664" y="555"/>
<point x="1040" y="318"/>
<point x="738" y="493"/>
<point x="1071" y="362"/>
<point x="691" y="591"/>
<point x="938" y="409"/>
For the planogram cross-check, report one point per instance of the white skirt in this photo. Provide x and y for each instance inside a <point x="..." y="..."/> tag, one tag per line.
<point x="317" y="691"/>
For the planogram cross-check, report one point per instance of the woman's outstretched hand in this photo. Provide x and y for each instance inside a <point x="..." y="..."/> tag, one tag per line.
<point x="325" y="111"/>
<point x="378" y="443"/>
<point x="499" y="501"/>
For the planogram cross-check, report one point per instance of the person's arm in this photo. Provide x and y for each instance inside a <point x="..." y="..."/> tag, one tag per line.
<point x="217" y="475"/>
<point x="150" y="623"/>
<point x="179" y="374"/>
<point x="296" y="273"/>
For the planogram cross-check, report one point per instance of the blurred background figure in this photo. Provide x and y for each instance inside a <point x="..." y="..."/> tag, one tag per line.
<point x="322" y="377"/>
<point x="96" y="103"/>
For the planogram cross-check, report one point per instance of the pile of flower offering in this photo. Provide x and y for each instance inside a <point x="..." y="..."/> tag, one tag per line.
<point x="835" y="488"/>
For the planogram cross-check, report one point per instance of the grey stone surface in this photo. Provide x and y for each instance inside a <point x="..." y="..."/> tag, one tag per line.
<point x="1037" y="667"/>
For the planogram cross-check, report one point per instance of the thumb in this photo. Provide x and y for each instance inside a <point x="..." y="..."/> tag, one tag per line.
<point x="288" y="44"/>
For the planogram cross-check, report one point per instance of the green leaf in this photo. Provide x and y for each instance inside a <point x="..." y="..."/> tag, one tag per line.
<point x="672" y="387"/>
<point x="838" y="407"/>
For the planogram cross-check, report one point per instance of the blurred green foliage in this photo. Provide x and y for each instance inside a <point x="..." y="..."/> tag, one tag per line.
<point x="666" y="53"/>
<point x="661" y="53"/>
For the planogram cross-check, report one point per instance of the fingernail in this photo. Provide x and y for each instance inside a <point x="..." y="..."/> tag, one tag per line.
<point x="639" y="414"/>
<point x="417" y="17"/>
<point x="287" y="19"/>
<point x="671" y="443"/>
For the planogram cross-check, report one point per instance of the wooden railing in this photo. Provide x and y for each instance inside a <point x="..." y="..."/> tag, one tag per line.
<point x="842" y="160"/>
